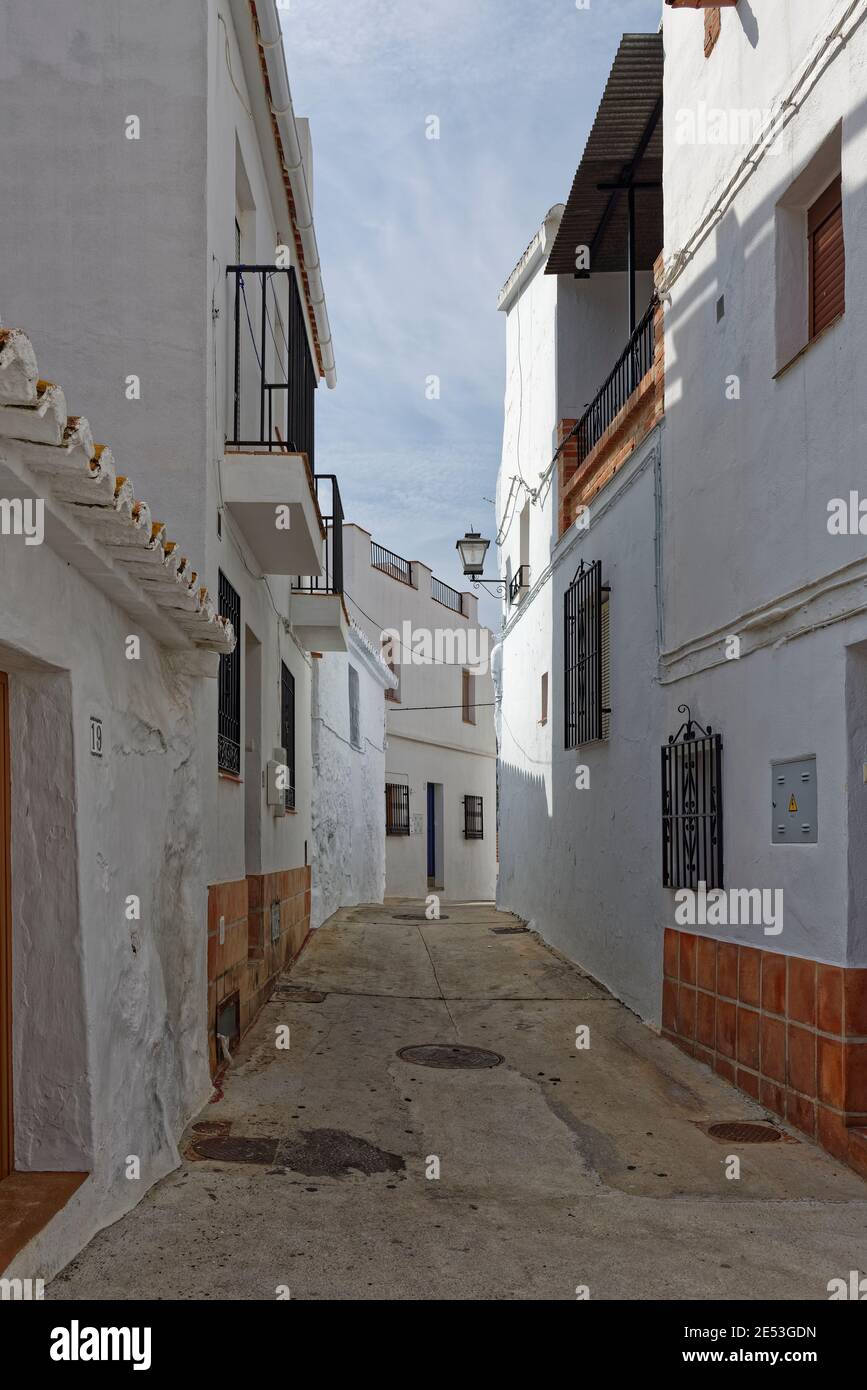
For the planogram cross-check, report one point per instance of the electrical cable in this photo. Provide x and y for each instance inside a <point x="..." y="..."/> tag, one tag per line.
<point x="432" y="661"/>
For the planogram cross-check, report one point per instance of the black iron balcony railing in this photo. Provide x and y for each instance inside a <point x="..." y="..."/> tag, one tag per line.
<point x="331" y="510"/>
<point x="445" y="594"/>
<point x="273" y="379"/>
<point x="631" y="368"/>
<point x="520" y="580"/>
<point x="391" y="564"/>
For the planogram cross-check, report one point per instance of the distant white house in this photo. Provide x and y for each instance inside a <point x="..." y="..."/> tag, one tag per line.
<point x="439" y="799"/>
<point x="349" y="703"/>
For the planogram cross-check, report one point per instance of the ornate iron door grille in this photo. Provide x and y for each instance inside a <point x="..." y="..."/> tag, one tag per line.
<point x="287" y="729"/>
<point x="396" y="809"/>
<point x="229" y="720"/>
<point x="692" y="808"/>
<point x="473" y="825"/>
<point x="583" y="648"/>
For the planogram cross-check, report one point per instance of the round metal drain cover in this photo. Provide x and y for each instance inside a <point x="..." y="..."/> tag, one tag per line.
<point x="449" y="1055"/>
<point x="744" y="1133"/>
<point x="296" y="994"/>
<point x="211" y="1127"/>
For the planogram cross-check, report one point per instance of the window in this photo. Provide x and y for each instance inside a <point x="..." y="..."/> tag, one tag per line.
<point x="229" y="683"/>
<point x="544" y="716"/>
<point x="396" y="809"/>
<point x="468" y="697"/>
<point x="827" y="258"/>
<point x="810" y="271"/>
<point x="692" y="825"/>
<point x="354" y="711"/>
<point x="586" y="663"/>
<point x="473" y="823"/>
<point x="287" y="729"/>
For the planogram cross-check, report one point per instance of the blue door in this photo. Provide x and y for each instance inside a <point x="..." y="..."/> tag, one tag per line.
<point x="431" y="832"/>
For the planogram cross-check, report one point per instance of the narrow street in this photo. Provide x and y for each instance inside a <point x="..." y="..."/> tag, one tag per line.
<point x="558" y="1168"/>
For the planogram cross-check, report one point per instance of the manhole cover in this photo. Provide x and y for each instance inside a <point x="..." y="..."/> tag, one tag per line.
<point x="224" y="1149"/>
<point x="508" y="931"/>
<point x="732" y="1132"/>
<point x="449" y="1055"/>
<point x="296" y="994"/>
<point x="212" y="1127"/>
<point x="419" y="917"/>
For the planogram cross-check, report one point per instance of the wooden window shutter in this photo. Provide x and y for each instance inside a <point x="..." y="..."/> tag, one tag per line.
<point x="467" y="698"/>
<point x="827" y="258"/>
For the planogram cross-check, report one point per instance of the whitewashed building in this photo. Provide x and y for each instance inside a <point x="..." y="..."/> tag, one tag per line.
<point x="580" y="489"/>
<point x="159" y="245"/>
<point x="440" y="790"/>
<point x="682" y="669"/>
<point x="763" y="596"/>
<point x="109" y="647"/>
<point x="349" y="703"/>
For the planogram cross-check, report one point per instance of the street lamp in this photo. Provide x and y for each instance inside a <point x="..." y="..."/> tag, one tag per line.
<point x="473" y="548"/>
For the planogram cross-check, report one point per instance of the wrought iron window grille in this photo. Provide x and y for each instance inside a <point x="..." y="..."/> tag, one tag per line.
<point x="586" y="708"/>
<point x="287" y="730"/>
<point x="692" y="806"/>
<point x="229" y="686"/>
<point x="473" y="818"/>
<point x="396" y="809"/>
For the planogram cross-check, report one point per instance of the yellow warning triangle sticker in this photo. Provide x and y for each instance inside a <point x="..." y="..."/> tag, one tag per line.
<point x="793" y="805"/>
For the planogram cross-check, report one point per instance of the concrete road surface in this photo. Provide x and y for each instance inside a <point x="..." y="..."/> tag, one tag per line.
<point x="336" y="1169"/>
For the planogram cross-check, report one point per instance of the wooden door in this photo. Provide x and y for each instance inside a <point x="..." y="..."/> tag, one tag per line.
<point x="6" y="1142"/>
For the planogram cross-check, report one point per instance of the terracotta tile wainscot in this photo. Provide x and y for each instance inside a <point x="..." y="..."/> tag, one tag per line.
<point x="248" y="960"/>
<point x="791" y="1033"/>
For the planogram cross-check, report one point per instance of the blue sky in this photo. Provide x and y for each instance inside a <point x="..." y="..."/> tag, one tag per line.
<point x="417" y="236"/>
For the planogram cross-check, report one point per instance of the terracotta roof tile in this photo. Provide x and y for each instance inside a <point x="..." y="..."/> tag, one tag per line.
<point x="75" y="471"/>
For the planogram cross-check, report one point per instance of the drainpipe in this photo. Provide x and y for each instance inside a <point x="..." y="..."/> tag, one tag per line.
<point x="271" y="38"/>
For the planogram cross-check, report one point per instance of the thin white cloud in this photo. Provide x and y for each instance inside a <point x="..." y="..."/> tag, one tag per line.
<point x="417" y="236"/>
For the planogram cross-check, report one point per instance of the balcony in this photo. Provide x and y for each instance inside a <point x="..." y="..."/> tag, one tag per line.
<point x="266" y="472"/>
<point x="627" y="406"/>
<point x="447" y="596"/>
<point x="391" y="564"/>
<point x="318" y="615"/>
<point x="273" y="376"/>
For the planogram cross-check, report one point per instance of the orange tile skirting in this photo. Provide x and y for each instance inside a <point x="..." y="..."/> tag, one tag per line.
<point x="248" y="961"/>
<point x="791" y="1033"/>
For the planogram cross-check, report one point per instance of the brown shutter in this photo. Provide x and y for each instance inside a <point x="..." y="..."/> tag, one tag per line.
<point x="827" y="258"/>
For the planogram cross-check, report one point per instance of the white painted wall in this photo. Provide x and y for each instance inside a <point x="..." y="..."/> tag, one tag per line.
<point x="115" y="254"/>
<point x="563" y="849"/>
<point x="431" y="744"/>
<point x="137" y="235"/>
<point x="748" y="480"/>
<point x="110" y="1056"/>
<point x="348" y="778"/>
<point x="716" y="527"/>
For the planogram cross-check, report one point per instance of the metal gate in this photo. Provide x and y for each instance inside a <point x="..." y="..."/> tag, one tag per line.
<point x="692" y="808"/>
